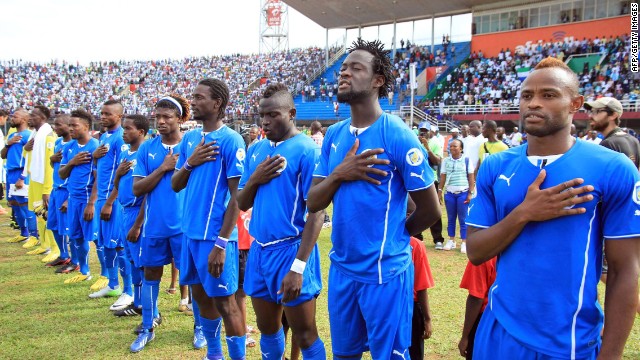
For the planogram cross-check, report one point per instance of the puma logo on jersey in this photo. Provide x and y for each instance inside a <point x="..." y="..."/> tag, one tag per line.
<point x="153" y="156"/>
<point x="264" y="355"/>
<point x="469" y="209"/>
<point x="507" y="179"/>
<point x="223" y="287"/>
<point x="335" y="146"/>
<point x="190" y="143"/>
<point x="254" y="156"/>
<point x="421" y="176"/>
<point x="637" y="213"/>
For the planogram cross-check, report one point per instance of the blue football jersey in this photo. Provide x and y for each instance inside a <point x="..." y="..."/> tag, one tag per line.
<point x="80" y="181"/>
<point x="125" y="187"/>
<point x="107" y="165"/>
<point x="280" y="205"/>
<point x="370" y="241"/>
<point x="14" y="153"/>
<point x="545" y="293"/>
<point x="207" y="192"/>
<point x="57" y="181"/>
<point x="163" y="208"/>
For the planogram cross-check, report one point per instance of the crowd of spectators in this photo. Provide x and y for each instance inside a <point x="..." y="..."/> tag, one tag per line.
<point x="63" y="86"/>
<point x="496" y="80"/>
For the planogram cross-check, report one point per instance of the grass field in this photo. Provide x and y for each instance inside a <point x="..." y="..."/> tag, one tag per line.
<point x="41" y="318"/>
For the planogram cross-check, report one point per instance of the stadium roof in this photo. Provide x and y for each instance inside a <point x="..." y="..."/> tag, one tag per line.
<point x="350" y="14"/>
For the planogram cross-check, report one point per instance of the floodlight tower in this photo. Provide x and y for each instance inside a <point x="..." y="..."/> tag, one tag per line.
<point x="274" y="26"/>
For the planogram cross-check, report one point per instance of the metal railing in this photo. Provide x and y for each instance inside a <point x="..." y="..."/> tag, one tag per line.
<point x="420" y="116"/>
<point x="627" y="105"/>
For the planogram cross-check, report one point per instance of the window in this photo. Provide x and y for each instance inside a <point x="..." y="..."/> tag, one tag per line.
<point x="601" y="9"/>
<point x="556" y="15"/>
<point x="589" y="9"/>
<point x="504" y="22"/>
<point x="486" y="24"/>
<point x="534" y="17"/>
<point x="544" y="15"/>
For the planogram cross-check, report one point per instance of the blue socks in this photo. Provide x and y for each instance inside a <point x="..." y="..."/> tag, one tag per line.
<point x="149" y="302"/>
<point x="125" y="271"/>
<point x="73" y="249"/>
<point x="136" y="279"/>
<point x="236" y="346"/>
<point x="20" y="219"/>
<point x="32" y="222"/>
<point x="315" y="352"/>
<point x="211" y="330"/>
<point x="60" y="241"/>
<point x="196" y="313"/>
<point x="83" y="255"/>
<point x="110" y="263"/>
<point x="272" y="344"/>
<point x="100" y="252"/>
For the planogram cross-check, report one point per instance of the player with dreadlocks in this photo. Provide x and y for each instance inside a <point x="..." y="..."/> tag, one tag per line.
<point x="161" y="239"/>
<point x="368" y="165"/>
<point x="208" y="171"/>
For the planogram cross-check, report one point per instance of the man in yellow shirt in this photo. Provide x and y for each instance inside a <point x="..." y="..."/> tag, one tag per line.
<point x="40" y="172"/>
<point x="492" y="145"/>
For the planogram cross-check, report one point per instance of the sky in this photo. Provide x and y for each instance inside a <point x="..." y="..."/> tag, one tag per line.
<point x="90" y="30"/>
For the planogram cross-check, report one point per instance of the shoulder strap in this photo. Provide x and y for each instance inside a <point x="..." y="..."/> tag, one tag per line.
<point x="485" y="148"/>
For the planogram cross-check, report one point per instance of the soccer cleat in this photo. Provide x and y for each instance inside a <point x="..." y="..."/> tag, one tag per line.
<point x="123" y="302"/>
<point x="145" y="337"/>
<point x="17" y="239"/>
<point x="78" y="278"/>
<point x="183" y="307"/>
<point x="128" y="311"/>
<point x="463" y="247"/>
<point x="106" y="292"/>
<point x="102" y="282"/>
<point x="439" y="245"/>
<point x="199" y="340"/>
<point x="52" y="256"/>
<point x="157" y="321"/>
<point x="33" y="241"/>
<point x="39" y="251"/>
<point x="326" y="225"/>
<point x="57" y="262"/>
<point x="189" y="310"/>
<point x="68" y="268"/>
<point x="450" y="245"/>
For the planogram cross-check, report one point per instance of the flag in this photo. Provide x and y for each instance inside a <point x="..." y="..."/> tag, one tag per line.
<point x="523" y="72"/>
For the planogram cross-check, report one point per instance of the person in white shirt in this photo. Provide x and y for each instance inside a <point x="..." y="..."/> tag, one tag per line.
<point x="592" y="136"/>
<point x="473" y="142"/>
<point x="515" y="137"/>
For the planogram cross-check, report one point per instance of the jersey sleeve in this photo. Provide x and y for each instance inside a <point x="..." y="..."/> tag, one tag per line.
<point x="65" y="154"/>
<point x="248" y="168"/>
<point x="142" y="165"/>
<point x="308" y="165"/>
<point x="322" y="165"/>
<point x="482" y="210"/>
<point x="410" y="158"/>
<point x="621" y="201"/>
<point x="48" y="169"/>
<point x="235" y="157"/>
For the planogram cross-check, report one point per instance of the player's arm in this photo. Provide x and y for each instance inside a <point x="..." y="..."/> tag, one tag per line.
<point x="217" y="255"/>
<point x="292" y="282"/>
<point x="353" y="167"/>
<point x="621" y="296"/>
<point x="134" y="232"/>
<point x="423" y="302"/>
<point x="472" y="311"/>
<point x="144" y="185"/>
<point x="107" y="208"/>
<point x="538" y="205"/>
<point x="89" y="210"/>
<point x="201" y="154"/>
<point x="427" y="210"/>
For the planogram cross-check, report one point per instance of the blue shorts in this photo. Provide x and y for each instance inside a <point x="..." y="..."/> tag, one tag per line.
<point x="78" y="228"/>
<point x="160" y="251"/>
<point x="267" y="267"/>
<point x="493" y="342"/>
<point x="109" y="231"/>
<point x="132" y="249"/>
<point x="375" y="317"/>
<point x="57" y="220"/>
<point x="195" y="267"/>
<point x="12" y="177"/>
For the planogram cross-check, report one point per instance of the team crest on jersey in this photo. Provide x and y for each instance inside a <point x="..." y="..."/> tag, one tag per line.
<point x="124" y="147"/>
<point x="374" y="156"/>
<point x="134" y="162"/>
<point x="636" y="193"/>
<point x="414" y="157"/>
<point x="575" y="196"/>
<point x="240" y="154"/>
<point x="283" y="165"/>
<point x="108" y="146"/>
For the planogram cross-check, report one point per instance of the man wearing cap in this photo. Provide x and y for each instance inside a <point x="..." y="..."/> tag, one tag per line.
<point x="604" y="116"/>
<point x="455" y="134"/>
<point x="434" y="151"/>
